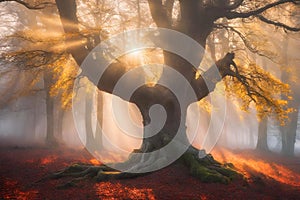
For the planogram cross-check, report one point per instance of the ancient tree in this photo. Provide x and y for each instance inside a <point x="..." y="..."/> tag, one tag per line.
<point x="197" y="20"/>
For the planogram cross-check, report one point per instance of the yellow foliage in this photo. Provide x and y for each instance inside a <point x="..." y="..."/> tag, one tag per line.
<point x="45" y="52"/>
<point x="205" y="105"/>
<point x="64" y="72"/>
<point x="266" y="91"/>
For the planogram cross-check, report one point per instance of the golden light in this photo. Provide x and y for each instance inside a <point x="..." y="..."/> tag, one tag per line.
<point x="151" y="65"/>
<point x="134" y="59"/>
<point x="151" y="76"/>
<point x="70" y="44"/>
<point x="137" y="54"/>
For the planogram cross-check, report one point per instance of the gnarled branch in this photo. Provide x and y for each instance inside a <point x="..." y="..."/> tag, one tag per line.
<point x="208" y="80"/>
<point x="234" y="15"/>
<point x="277" y="24"/>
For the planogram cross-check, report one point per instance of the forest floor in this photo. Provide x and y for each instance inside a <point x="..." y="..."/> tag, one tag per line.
<point x="268" y="176"/>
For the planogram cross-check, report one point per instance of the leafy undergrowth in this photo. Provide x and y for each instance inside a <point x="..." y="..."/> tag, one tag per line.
<point x="21" y="168"/>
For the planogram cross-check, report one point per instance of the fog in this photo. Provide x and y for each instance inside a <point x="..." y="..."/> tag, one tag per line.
<point x="23" y="124"/>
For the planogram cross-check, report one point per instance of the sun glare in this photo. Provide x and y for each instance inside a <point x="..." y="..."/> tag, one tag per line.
<point x="137" y="54"/>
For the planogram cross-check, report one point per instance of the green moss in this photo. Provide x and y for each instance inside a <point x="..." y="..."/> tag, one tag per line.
<point x="208" y="170"/>
<point x="230" y="173"/>
<point x="207" y="175"/>
<point x="75" y="168"/>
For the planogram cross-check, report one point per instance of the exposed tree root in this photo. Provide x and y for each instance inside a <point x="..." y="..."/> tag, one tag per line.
<point x="82" y="171"/>
<point x="206" y="169"/>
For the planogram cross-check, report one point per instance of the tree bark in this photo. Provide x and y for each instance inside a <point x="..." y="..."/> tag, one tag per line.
<point x="60" y="119"/>
<point x="289" y="132"/>
<point x="100" y="106"/>
<point x="50" y="138"/>
<point x="262" y="140"/>
<point x="68" y="14"/>
<point x="93" y="138"/>
<point x="88" y="121"/>
<point x="145" y="98"/>
<point x="195" y="24"/>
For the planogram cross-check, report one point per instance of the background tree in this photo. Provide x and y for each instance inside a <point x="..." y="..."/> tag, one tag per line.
<point x="39" y="54"/>
<point x="290" y="75"/>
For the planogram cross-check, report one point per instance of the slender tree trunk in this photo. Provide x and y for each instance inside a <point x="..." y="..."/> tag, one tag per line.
<point x="50" y="138"/>
<point x="288" y="134"/>
<point x="93" y="138"/>
<point x="262" y="140"/>
<point x="98" y="132"/>
<point x="59" y="121"/>
<point x="289" y="130"/>
<point x="88" y="121"/>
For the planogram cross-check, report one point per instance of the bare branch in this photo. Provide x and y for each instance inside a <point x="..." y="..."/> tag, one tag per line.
<point x="30" y="59"/>
<point x="233" y="15"/>
<point x="278" y="24"/>
<point x="245" y="41"/>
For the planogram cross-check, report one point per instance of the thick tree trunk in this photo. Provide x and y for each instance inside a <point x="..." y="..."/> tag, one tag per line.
<point x="145" y="98"/>
<point x="195" y="24"/>
<point x="262" y="140"/>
